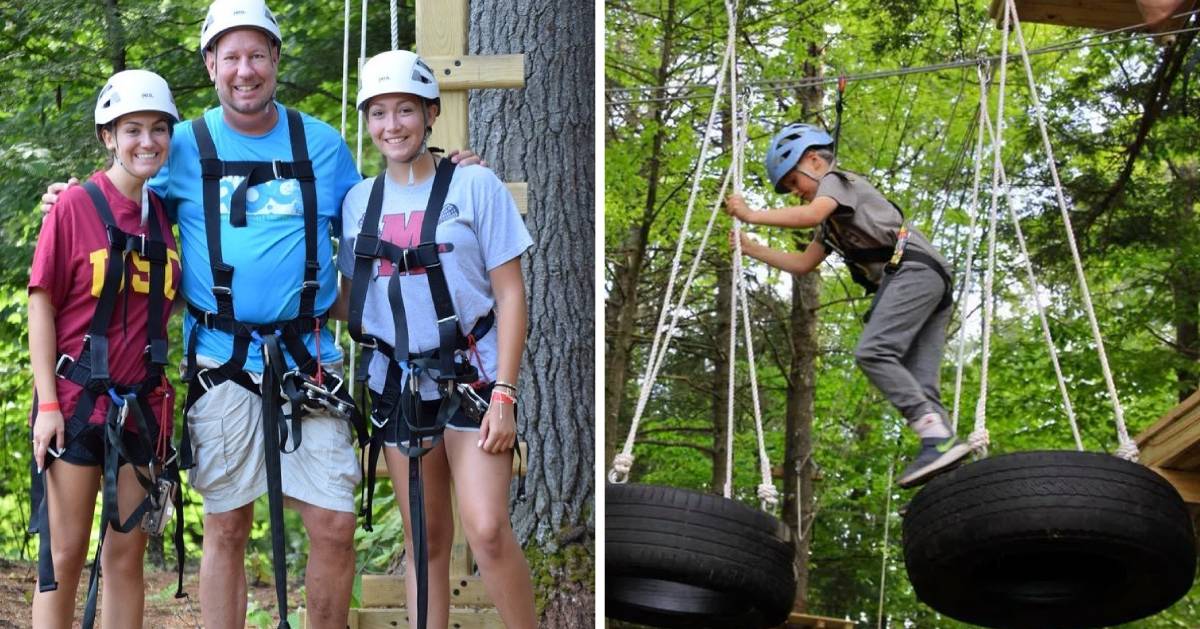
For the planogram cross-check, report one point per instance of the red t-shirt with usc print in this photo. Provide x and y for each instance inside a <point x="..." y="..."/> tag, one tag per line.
<point x="69" y="263"/>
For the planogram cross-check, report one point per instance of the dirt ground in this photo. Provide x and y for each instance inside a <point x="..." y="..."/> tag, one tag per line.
<point x="17" y="580"/>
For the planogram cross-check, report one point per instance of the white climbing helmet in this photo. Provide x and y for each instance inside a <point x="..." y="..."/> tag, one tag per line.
<point x="396" y="72"/>
<point x="131" y="91"/>
<point x="226" y="15"/>
<point x="788" y="146"/>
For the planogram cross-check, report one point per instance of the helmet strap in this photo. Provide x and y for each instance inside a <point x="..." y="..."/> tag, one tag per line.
<point x="117" y="160"/>
<point x="412" y="180"/>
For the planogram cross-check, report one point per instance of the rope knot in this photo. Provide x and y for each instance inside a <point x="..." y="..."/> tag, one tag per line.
<point x="768" y="494"/>
<point x="979" y="439"/>
<point x="619" y="473"/>
<point x="1128" y="450"/>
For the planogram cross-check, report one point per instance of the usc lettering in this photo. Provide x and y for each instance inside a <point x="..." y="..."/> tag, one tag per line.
<point x="140" y="273"/>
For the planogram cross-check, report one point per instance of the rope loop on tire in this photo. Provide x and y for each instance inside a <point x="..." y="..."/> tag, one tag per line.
<point x="768" y="494"/>
<point x="619" y="473"/>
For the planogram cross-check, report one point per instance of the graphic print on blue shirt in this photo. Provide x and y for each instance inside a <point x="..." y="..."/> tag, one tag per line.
<point x="275" y="198"/>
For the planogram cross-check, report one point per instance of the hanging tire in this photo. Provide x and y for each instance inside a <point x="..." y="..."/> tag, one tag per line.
<point x="680" y="558"/>
<point x="1049" y="539"/>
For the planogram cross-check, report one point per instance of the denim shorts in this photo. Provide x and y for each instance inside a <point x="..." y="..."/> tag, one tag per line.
<point x="85" y="445"/>
<point x="458" y="421"/>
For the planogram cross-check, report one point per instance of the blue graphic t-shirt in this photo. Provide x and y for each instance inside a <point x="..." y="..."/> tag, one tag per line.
<point x="268" y="253"/>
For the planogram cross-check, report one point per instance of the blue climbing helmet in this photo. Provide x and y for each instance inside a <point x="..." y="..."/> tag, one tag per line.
<point x="789" y="145"/>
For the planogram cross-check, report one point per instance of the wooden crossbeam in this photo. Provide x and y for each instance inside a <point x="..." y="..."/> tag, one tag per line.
<point x="1174" y="440"/>
<point x="1186" y="483"/>
<point x="478" y="72"/>
<point x="1098" y="14"/>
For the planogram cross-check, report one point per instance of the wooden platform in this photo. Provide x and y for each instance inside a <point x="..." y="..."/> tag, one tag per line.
<point x="1097" y="14"/>
<point x="460" y="617"/>
<point x="1171" y="447"/>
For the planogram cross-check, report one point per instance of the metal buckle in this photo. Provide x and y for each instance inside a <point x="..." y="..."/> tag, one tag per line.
<point x="208" y="385"/>
<point x="452" y="318"/>
<point x="473" y="405"/>
<point x="275" y="168"/>
<point x="162" y="508"/>
<point x="63" y="365"/>
<point x="122" y="415"/>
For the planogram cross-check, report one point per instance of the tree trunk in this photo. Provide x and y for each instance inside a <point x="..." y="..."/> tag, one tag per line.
<point x="720" y="380"/>
<point x="116" y="35"/>
<point x="802" y="380"/>
<point x="543" y="134"/>
<point x="802" y="384"/>
<point x="1185" y="287"/>
<point x="622" y="308"/>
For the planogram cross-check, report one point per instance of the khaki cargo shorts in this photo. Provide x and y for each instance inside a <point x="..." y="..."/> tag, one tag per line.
<point x="227" y="441"/>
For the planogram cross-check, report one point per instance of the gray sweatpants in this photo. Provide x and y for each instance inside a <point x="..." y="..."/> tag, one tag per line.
<point x="901" y="346"/>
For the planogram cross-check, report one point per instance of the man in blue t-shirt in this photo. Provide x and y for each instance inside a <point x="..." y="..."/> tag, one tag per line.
<point x="240" y="42"/>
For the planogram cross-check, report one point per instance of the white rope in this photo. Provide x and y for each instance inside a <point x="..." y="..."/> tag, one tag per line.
<point x="887" y="520"/>
<point x="968" y="277"/>
<point x="345" y="63"/>
<point x="1127" y="448"/>
<point x="768" y="494"/>
<point x="362" y="56"/>
<point x="978" y="439"/>
<point x="395" y="26"/>
<point x="337" y="325"/>
<point x="1032" y="288"/>
<point x="620" y="473"/>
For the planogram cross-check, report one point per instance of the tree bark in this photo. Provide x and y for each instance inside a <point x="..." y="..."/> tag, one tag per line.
<point x="1185" y="286"/>
<point x="543" y="134"/>
<point x="116" y="35"/>
<point x="720" y="379"/>
<point x="802" y="382"/>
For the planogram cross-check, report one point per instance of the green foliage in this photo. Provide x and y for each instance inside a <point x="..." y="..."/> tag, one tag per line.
<point x="915" y="137"/>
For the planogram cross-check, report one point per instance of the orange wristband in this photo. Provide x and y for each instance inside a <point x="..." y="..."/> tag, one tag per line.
<point x="46" y="407"/>
<point x="502" y="397"/>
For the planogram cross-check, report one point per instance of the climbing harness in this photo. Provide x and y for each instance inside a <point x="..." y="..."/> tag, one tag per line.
<point x="306" y="389"/>
<point x="129" y="405"/>
<point x="883" y="230"/>
<point x="448" y="365"/>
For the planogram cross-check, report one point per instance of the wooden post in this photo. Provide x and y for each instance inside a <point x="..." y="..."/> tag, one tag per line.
<point x="442" y="32"/>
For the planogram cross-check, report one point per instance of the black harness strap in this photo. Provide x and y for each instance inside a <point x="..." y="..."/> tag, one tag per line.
<point x="212" y="169"/>
<point x="91" y="372"/>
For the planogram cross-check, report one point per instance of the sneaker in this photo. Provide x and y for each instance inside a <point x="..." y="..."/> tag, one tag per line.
<point x="936" y="456"/>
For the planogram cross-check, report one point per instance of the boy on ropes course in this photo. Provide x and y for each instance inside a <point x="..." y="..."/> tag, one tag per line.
<point x="103" y="279"/>
<point x="431" y="282"/>
<point x="900" y="349"/>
